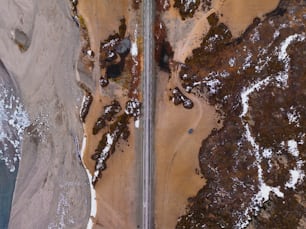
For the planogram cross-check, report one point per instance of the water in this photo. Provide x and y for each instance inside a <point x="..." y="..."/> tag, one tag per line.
<point x="13" y="122"/>
<point x="7" y="185"/>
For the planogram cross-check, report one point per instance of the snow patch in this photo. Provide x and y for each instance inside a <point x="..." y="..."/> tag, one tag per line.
<point x="255" y="36"/>
<point x="293" y="148"/>
<point x="293" y="117"/>
<point x="296" y="176"/>
<point x="232" y="61"/>
<point x="134" y="48"/>
<point x="93" y="202"/>
<point x="13" y="122"/>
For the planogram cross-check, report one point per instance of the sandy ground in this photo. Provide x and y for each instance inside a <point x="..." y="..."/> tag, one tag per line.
<point x="177" y="151"/>
<point x="103" y="18"/>
<point x="52" y="189"/>
<point x="185" y="36"/>
<point x="239" y="14"/>
<point x="117" y="189"/>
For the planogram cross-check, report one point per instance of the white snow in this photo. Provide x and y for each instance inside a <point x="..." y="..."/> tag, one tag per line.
<point x="213" y="85"/>
<point x="134" y="48"/>
<point x="13" y="122"/>
<point x="293" y="117"/>
<point x="232" y="61"/>
<point x="166" y="4"/>
<point x="276" y="34"/>
<point x="90" y="52"/>
<point x="133" y="108"/>
<point x="247" y="61"/>
<point x="110" y="139"/>
<point x="93" y="203"/>
<point x="283" y="55"/>
<point x="255" y="36"/>
<point x="62" y="213"/>
<point x="247" y="91"/>
<point x="296" y="175"/>
<point x="282" y="78"/>
<point x="90" y="223"/>
<point x="187" y="4"/>
<point x="103" y="155"/>
<point x="83" y="146"/>
<point x="111" y="43"/>
<point x="293" y="148"/>
<point x="267" y="153"/>
<point x="134" y="51"/>
<point x="137" y="123"/>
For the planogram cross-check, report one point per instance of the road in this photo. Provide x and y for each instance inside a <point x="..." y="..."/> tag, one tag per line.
<point x="148" y="112"/>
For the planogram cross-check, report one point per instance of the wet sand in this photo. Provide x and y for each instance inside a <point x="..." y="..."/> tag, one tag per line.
<point x="177" y="151"/>
<point x="52" y="188"/>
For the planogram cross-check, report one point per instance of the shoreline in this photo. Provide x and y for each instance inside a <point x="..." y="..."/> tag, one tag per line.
<point x="50" y="183"/>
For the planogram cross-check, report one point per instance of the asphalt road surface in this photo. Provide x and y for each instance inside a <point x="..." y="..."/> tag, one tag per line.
<point x="148" y="112"/>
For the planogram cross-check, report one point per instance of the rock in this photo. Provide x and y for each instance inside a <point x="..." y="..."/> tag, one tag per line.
<point x="21" y="39"/>
<point x="124" y="46"/>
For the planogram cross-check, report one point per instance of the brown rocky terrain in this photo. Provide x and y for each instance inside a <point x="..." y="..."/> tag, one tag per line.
<point x="254" y="165"/>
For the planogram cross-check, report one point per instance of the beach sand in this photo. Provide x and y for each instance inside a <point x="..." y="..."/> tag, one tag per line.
<point x="52" y="187"/>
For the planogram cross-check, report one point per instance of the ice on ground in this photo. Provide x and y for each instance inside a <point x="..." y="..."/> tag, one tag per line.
<point x="13" y="122"/>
